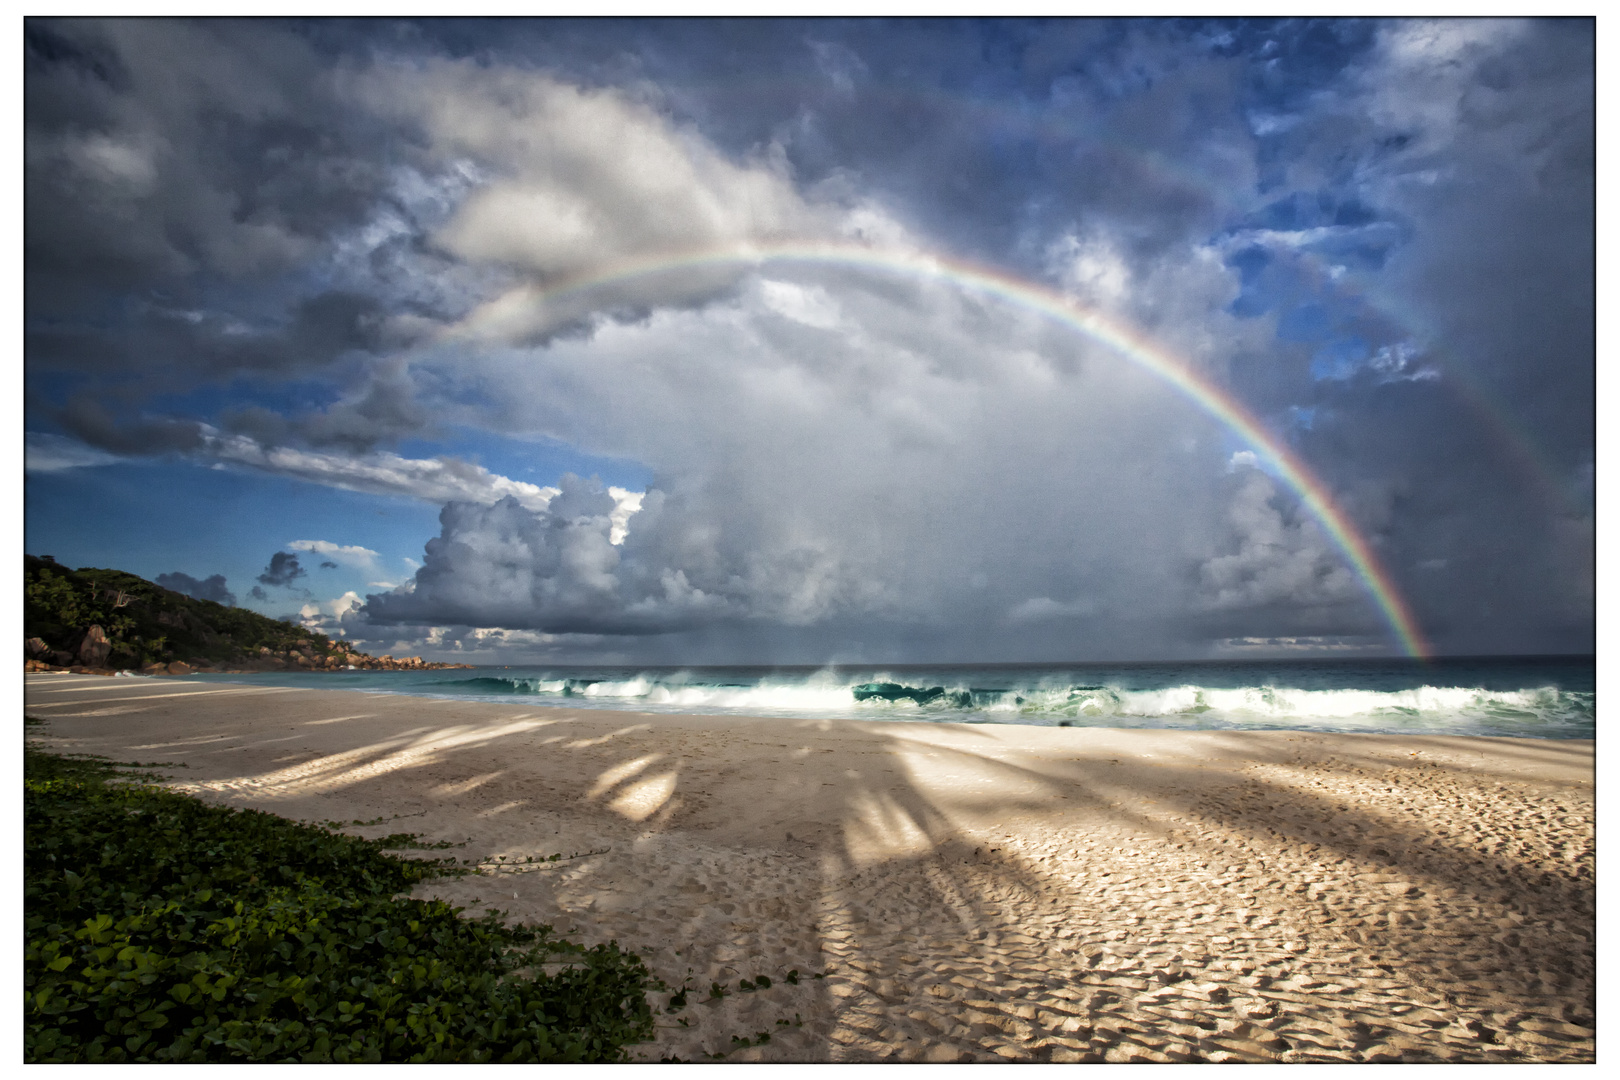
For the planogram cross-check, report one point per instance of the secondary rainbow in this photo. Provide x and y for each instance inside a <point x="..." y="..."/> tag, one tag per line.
<point x="1122" y="339"/>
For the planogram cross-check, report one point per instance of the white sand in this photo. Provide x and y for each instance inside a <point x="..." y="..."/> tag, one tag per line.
<point x="971" y="892"/>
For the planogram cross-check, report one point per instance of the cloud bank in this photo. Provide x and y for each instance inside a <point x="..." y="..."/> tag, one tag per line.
<point x="321" y="253"/>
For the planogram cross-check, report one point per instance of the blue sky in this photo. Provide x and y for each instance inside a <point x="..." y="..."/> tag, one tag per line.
<point x="312" y="283"/>
<point x="154" y="516"/>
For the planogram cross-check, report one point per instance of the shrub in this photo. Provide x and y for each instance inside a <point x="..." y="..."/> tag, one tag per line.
<point x="160" y="928"/>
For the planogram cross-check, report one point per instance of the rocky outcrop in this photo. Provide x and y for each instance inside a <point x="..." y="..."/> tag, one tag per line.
<point x="408" y="663"/>
<point x="342" y="657"/>
<point x="94" y="648"/>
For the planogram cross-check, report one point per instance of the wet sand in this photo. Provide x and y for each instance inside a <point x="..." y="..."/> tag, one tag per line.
<point x="969" y="892"/>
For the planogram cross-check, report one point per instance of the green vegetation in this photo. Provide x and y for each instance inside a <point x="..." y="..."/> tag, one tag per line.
<point x="159" y="928"/>
<point x="146" y="623"/>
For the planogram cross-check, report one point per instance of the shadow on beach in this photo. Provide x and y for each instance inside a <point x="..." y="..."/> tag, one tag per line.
<point x="975" y="892"/>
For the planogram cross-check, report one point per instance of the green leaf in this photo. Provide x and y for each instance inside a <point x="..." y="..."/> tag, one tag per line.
<point x="228" y="935"/>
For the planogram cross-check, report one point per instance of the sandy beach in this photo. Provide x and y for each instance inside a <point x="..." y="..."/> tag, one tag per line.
<point x="969" y="892"/>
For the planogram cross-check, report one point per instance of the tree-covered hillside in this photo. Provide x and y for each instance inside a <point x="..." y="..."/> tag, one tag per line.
<point x="142" y="624"/>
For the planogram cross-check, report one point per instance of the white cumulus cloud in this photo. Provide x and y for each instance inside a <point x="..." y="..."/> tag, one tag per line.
<point x="571" y="182"/>
<point x="44" y="453"/>
<point x="1278" y="562"/>
<point x="351" y="554"/>
<point x="431" y="479"/>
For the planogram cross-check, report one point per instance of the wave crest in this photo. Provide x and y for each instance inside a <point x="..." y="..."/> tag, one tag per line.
<point x="1546" y="709"/>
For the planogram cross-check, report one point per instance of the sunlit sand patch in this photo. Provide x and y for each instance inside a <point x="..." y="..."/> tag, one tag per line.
<point x="349" y="768"/>
<point x="503" y="808"/>
<point x="644" y="798"/>
<point x="270" y="742"/>
<point x="428" y="749"/>
<point x="878" y="828"/>
<point x="182" y="693"/>
<point x="581" y="744"/>
<point x="200" y="740"/>
<point x="958" y="779"/>
<point x="119" y="711"/>
<point x="338" y="719"/>
<point x="618" y="774"/>
<point x="102" y="682"/>
<point x="463" y="786"/>
<point x="302" y="779"/>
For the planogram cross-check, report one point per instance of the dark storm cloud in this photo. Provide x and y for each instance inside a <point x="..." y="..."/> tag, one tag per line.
<point x="96" y="425"/>
<point x="217" y="201"/>
<point x="181" y="180"/>
<point x="282" y="571"/>
<point x="210" y="347"/>
<point x="1478" y="138"/>
<point x="209" y="588"/>
<point x="984" y="134"/>
<point x="157" y="149"/>
<point x="382" y="410"/>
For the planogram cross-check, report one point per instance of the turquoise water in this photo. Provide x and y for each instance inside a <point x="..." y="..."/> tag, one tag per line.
<point x="1552" y="698"/>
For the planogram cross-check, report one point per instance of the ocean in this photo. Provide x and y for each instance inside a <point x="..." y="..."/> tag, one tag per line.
<point x="1534" y="697"/>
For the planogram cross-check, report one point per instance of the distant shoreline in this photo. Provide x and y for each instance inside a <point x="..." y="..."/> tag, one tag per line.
<point x="180" y="668"/>
<point x="1543" y="700"/>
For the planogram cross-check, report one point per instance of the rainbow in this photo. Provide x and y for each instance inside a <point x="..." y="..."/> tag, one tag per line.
<point x="1511" y="437"/>
<point x="1120" y="338"/>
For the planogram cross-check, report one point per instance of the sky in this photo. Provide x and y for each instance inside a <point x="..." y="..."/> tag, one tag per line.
<point x="809" y="341"/>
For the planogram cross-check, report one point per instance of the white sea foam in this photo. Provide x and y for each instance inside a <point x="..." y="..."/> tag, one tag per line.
<point x="890" y="696"/>
<point x="676" y="693"/>
<point x="1050" y="697"/>
<point x="1281" y="702"/>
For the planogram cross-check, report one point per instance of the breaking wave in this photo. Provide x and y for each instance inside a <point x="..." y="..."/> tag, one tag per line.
<point x="1545" y="711"/>
<point x="665" y="694"/>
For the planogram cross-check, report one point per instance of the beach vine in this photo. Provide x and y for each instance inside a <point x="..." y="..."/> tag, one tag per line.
<point x="159" y="928"/>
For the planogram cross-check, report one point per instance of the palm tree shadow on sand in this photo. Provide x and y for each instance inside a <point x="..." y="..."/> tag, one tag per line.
<point x="977" y="902"/>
